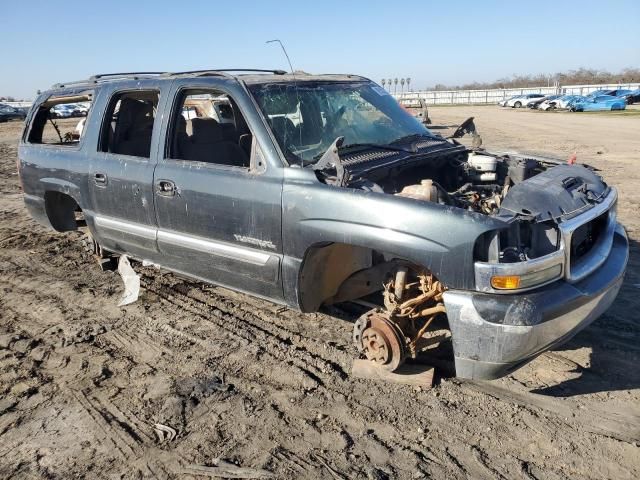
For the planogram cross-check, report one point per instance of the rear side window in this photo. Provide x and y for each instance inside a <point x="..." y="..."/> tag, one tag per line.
<point x="60" y="120"/>
<point x="128" y="125"/>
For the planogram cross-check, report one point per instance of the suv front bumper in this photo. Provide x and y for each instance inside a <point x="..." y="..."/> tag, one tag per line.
<point x="496" y="334"/>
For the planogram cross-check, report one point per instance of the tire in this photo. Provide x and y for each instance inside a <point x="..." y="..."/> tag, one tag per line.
<point x="517" y="105"/>
<point x="89" y="245"/>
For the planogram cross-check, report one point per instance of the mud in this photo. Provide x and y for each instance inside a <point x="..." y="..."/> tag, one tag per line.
<point x="83" y="382"/>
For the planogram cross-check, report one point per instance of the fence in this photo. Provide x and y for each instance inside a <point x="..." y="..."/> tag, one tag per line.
<point x="17" y="104"/>
<point x="459" y="97"/>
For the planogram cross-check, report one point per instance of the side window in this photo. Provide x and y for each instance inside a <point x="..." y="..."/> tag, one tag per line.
<point x="128" y="123"/>
<point x="207" y="126"/>
<point x="60" y="120"/>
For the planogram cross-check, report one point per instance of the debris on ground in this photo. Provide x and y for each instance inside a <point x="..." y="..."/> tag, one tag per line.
<point x="407" y="374"/>
<point x="164" y="433"/>
<point x="131" y="282"/>
<point x="222" y="468"/>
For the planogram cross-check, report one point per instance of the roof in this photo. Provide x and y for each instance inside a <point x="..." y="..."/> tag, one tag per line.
<point x="252" y="76"/>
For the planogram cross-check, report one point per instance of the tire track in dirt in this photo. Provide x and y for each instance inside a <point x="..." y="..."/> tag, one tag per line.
<point x="182" y="297"/>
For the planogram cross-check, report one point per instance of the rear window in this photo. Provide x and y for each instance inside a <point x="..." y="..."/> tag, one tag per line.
<point x="60" y="120"/>
<point x="128" y="125"/>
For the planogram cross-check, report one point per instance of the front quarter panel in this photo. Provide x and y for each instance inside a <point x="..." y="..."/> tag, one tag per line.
<point x="438" y="237"/>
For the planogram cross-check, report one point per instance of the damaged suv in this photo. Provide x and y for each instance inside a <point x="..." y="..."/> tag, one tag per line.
<point x="311" y="190"/>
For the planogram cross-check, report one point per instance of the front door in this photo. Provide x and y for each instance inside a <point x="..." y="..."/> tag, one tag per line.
<point x="218" y="205"/>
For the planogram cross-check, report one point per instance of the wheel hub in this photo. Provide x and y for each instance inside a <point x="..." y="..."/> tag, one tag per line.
<point x="380" y="339"/>
<point x="375" y="346"/>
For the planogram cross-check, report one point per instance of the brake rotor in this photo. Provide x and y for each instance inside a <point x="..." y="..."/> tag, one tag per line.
<point x="380" y="340"/>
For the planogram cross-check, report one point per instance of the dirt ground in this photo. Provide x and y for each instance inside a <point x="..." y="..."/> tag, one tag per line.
<point x="82" y="381"/>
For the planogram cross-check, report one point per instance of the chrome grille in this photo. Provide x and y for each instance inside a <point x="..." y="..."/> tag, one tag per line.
<point x="588" y="238"/>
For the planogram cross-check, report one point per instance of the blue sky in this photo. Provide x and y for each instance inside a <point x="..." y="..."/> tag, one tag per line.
<point x="45" y="42"/>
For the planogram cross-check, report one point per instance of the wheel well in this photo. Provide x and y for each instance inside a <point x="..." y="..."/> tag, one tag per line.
<point x="339" y="272"/>
<point x="61" y="211"/>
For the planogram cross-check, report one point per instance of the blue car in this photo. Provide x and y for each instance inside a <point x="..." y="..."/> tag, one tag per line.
<point x="632" y="97"/>
<point x="598" y="104"/>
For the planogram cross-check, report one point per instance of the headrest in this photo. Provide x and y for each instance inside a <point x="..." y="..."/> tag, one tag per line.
<point x="134" y="111"/>
<point x="206" y="130"/>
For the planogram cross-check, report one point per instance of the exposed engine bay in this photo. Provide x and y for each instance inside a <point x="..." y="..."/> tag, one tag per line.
<point x="531" y="194"/>
<point x="478" y="183"/>
<point x="472" y="180"/>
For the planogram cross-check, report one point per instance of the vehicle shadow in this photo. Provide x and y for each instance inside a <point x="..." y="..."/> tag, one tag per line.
<point x="614" y="340"/>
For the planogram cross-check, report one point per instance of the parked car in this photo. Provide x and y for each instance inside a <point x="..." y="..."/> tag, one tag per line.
<point x="503" y="103"/>
<point x="597" y="104"/>
<point x="518" y="102"/>
<point x="561" y="102"/>
<point x="537" y="101"/>
<point x="613" y="93"/>
<point x="632" y="97"/>
<point x="8" y="113"/>
<point x="514" y="254"/>
<point x="68" y="110"/>
<point x="81" y="108"/>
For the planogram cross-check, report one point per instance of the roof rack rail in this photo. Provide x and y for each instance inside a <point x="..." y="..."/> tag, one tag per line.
<point x="223" y="71"/>
<point x="125" y="74"/>
<point x="93" y="79"/>
<point x="106" y="76"/>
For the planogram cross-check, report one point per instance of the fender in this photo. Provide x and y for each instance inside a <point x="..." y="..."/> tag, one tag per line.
<point x="63" y="186"/>
<point x="438" y="237"/>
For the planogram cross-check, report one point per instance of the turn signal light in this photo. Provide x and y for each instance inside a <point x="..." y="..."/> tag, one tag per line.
<point x="526" y="280"/>
<point x="505" y="282"/>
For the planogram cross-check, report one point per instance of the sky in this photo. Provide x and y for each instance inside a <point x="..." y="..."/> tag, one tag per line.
<point x="46" y="42"/>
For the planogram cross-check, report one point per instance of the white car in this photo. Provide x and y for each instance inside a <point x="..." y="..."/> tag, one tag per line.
<point x="522" y="100"/>
<point x="82" y="107"/>
<point x="503" y="103"/>
<point x="559" y="103"/>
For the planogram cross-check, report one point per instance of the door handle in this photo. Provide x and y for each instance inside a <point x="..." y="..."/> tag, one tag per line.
<point x="100" y="178"/>
<point x="166" y="188"/>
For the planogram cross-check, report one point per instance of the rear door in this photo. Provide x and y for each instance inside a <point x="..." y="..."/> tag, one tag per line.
<point x="121" y="171"/>
<point x="218" y="203"/>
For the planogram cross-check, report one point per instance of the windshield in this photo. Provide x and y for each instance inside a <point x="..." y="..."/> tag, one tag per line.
<point x="308" y="118"/>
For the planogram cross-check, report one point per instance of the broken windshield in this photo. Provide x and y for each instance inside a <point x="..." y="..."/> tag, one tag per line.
<point x="306" y="118"/>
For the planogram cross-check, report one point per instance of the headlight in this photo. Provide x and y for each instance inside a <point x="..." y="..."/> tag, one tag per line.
<point x="526" y="255"/>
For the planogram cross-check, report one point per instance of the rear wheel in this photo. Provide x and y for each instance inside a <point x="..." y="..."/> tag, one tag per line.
<point x="517" y="104"/>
